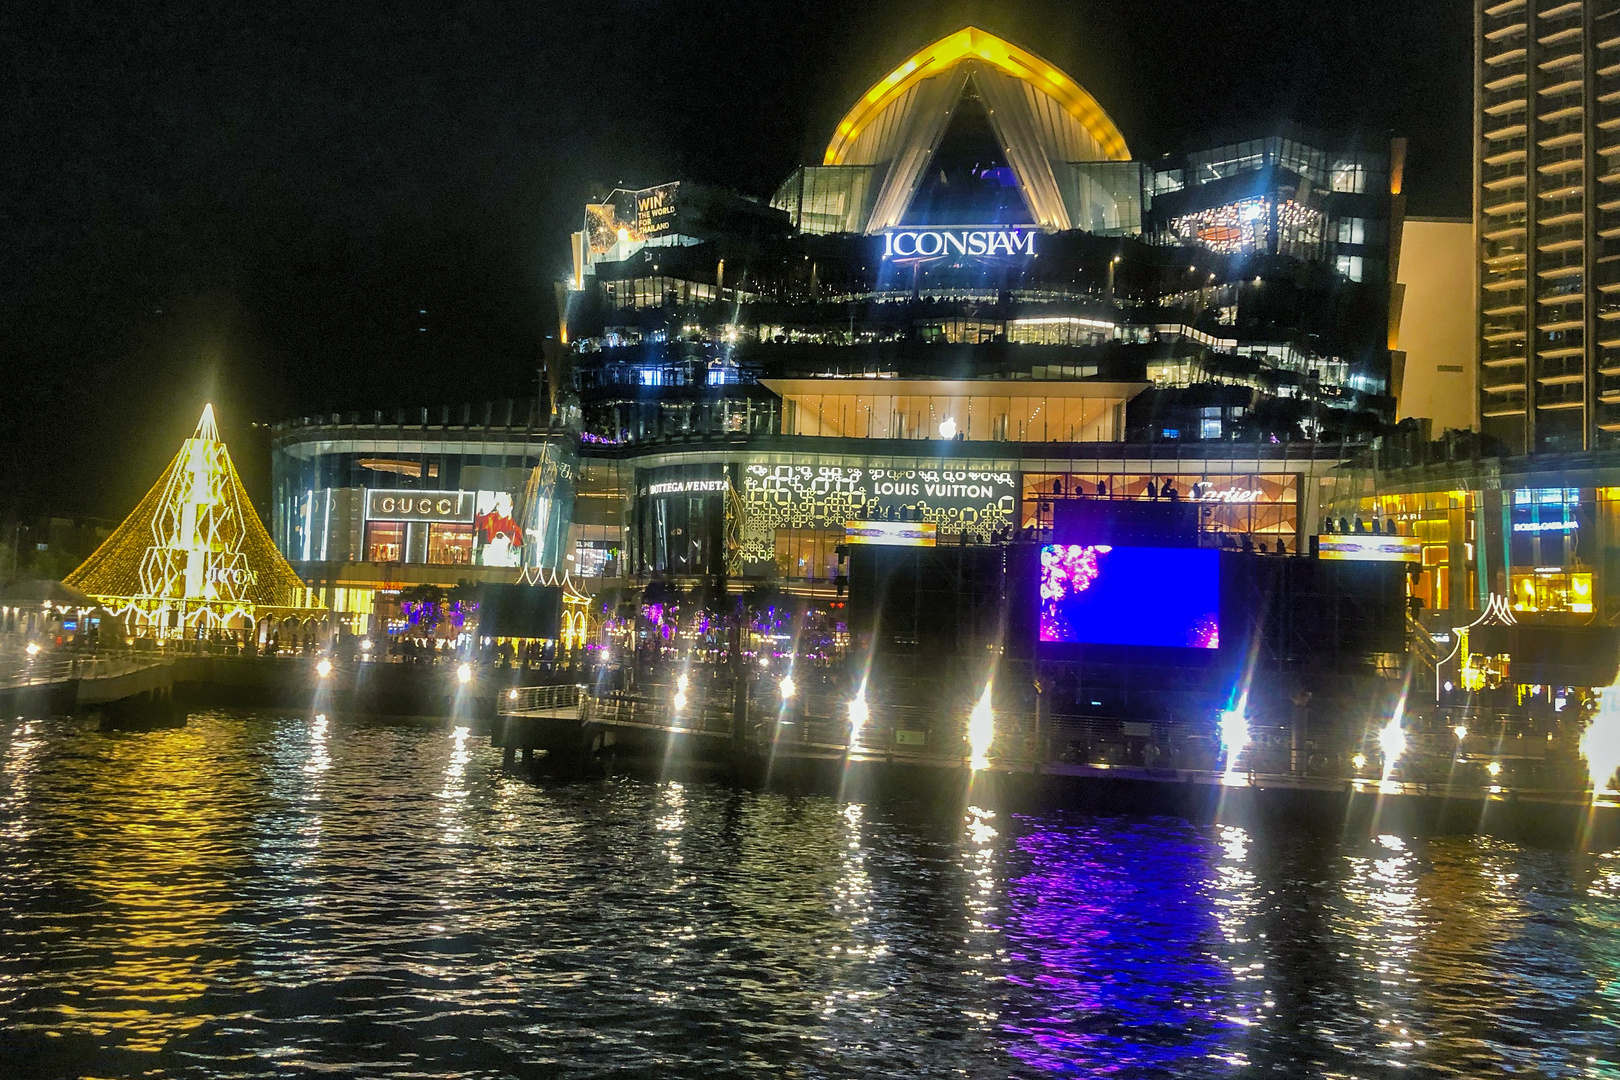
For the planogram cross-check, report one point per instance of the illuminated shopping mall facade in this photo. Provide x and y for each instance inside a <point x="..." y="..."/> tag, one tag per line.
<point x="976" y="298"/>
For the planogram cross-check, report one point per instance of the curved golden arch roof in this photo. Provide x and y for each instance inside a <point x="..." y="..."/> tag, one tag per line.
<point x="971" y="43"/>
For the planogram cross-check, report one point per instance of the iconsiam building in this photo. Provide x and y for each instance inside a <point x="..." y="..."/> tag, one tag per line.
<point x="975" y="302"/>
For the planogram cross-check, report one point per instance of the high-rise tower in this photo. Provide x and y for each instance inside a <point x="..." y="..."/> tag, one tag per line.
<point x="1547" y="218"/>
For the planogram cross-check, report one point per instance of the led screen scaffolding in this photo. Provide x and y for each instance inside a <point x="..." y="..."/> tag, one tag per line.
<point x="1101" y="594"/>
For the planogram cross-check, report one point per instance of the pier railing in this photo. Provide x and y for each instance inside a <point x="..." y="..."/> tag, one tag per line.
<point x="55" y="669"/>
<point x="540" y="700"/>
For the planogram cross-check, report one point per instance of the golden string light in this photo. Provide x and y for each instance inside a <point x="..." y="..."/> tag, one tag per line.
<point x="194" y="554"/>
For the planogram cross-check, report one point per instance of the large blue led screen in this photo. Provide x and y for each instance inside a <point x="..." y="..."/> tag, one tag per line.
<point x="1103" y="595"/>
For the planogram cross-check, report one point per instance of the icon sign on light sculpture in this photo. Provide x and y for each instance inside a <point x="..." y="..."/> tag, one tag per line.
<point x="194" y="553"/>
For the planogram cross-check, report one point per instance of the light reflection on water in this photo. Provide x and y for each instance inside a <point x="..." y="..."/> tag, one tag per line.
<point x="285" y="895"/>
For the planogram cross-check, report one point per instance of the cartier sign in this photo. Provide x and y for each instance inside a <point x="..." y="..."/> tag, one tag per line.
<point x="927" y="243"/>
<point x="419" y="505"/>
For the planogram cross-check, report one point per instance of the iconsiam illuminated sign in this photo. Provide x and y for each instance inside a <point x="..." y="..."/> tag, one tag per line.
<point x="931" y="243"/>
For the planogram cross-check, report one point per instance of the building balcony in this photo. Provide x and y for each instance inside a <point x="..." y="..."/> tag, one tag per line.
<point x="1561" y="63"/>
<point x="1569" y="36"/>
<point x="1505" y="82"/>
<point x="1506" y="30"/>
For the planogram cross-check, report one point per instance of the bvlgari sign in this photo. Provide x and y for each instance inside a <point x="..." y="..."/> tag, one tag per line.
<point x="929" y="243"/>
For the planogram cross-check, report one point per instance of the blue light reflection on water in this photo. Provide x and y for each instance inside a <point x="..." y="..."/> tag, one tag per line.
<point x="1113" y="948"/>
<point x="292" y="896"/>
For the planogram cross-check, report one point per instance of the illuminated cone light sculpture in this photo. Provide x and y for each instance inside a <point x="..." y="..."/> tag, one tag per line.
<point x="194" y="554"/>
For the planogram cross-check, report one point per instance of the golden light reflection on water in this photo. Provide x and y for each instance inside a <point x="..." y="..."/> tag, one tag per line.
<point x="166" y="808"/>
<point x="17" y="768"/>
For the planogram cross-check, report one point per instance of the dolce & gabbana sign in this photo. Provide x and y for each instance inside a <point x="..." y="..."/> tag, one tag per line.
<point x="419" y="505"/>
<point x="928" y="243"/>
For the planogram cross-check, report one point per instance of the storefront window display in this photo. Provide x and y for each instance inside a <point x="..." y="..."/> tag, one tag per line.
<point x="1258" y="504"/>
<point x="450" y="544"/>
<point x="808" y="554"/>
<point x="1550" y="530"/>
<point x="1444" y="522"/>
<point x="385" y="541"/>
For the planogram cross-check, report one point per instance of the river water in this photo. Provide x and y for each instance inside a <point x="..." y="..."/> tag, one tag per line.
<point x="286" y="896"/>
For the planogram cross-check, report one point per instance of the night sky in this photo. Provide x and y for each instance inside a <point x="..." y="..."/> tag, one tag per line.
<point x="254" y="203"/>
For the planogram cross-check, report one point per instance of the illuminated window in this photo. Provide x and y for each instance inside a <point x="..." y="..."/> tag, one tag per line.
<point x="1352" y="230"/>
<point x="1547" y="589"/>
<point x="385" y="541"/>
<point x="450" y="544"/>
<point x="1350" y="266"/>
<point x="808" y="554"/>
<point x="1350" y="176"/>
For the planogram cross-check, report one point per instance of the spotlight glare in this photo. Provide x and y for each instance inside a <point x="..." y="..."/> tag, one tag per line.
<point x="981" y="731"/>
<point x="365" y="644"/>
<point x="324" y="668"/>
<point x="1359" y="762"/>
<point x="1494" y="768"/>
<point x="788" y="688"/>
<point x="33" y="649"/>
<point x="464" y="674"/>
<point x="1234" y="735"/>
<point x="859" y="714"/>
<point x="1460" y="731"/>
<point x="1392" y="741"/>
<point x="512" y="694"/>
